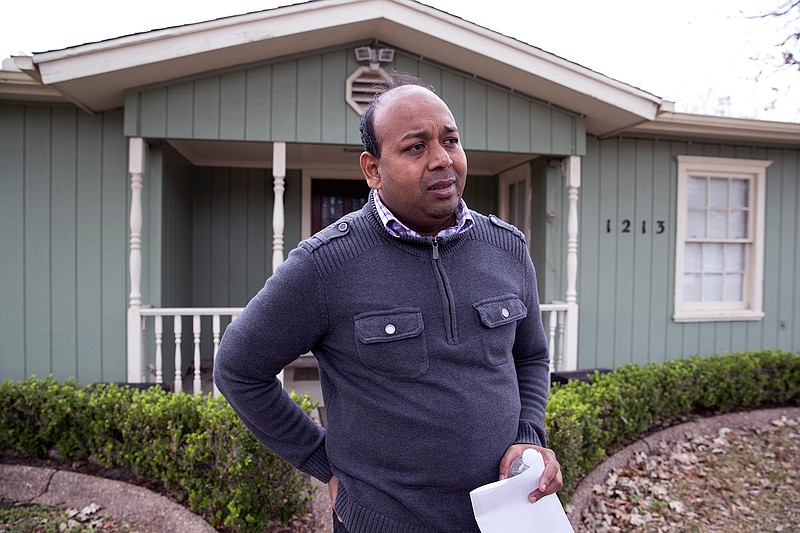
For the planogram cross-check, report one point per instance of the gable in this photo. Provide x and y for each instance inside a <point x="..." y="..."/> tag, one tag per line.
<point x="302" y="99"/>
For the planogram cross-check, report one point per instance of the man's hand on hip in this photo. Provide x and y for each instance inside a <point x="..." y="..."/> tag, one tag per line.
<point x="333" y="490"/>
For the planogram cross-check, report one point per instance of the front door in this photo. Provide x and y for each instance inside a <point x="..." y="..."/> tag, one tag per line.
<point x="515" y="198"/>
<point x="333" y="198"/>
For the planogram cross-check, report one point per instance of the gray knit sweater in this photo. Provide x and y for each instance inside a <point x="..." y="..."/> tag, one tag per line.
<point x="432" y="360"/>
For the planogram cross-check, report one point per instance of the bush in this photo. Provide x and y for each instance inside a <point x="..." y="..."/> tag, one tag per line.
<point x="195" y="445"/>
<point x="585" y="422"/>
<point x="209" y="461"/>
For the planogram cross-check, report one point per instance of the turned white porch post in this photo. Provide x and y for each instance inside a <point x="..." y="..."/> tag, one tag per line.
<point x="571" y="171"/>
<point x="278" y="213"/>
<point x="136" y="149"/>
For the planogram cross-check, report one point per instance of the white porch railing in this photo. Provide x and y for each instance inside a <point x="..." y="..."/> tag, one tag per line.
<point x="152" y="345"/>
<point x="555" y="322"/>
<point x="155" y="345"/>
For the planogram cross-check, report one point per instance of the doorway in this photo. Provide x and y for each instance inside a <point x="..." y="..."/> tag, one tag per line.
<point x="331" y="199"/>
<point x="515" y="198"/>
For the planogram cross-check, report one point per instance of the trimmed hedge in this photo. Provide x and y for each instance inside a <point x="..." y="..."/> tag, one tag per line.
<point x="195" y="445"/>
<point x="585" y="422"/>
<point x="208" y="460"/>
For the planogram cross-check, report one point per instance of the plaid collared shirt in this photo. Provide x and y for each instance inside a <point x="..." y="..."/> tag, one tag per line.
<point x="464" y="221"/>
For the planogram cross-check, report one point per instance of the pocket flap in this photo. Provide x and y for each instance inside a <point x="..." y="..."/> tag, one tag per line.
<point x="390" y="325"/>
<point x="500" y="310"/>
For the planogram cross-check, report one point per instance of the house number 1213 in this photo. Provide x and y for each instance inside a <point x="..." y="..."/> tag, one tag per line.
<point x="628" y="227"/>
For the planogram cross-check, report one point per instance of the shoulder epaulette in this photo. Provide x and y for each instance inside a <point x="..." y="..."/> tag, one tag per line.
<point x="334" y="231"/>
<point x="502" y="224"/>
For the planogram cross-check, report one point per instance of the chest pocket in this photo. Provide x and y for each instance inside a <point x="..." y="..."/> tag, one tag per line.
<point x="499" y="316"/>
<point x="391" y="343"/>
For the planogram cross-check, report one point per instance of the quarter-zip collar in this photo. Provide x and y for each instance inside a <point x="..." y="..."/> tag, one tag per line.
<point x="464" y="220"/>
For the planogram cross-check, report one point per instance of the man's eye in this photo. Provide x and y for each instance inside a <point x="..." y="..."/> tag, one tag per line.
<point x="416" y="147"/>
<point x="452" y="140"/>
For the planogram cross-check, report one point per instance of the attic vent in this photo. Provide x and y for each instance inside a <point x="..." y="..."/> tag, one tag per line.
<point x="361" y="87"/>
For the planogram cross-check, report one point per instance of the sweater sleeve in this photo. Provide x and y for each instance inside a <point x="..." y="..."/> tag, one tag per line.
<point x="533" y="367"/>
<point x="282" y="322"/>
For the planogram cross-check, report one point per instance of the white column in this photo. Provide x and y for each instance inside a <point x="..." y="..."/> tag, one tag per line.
<point x="571" y="170"/>
<point x="136" y="153"/>
<point x="278" y="213"/>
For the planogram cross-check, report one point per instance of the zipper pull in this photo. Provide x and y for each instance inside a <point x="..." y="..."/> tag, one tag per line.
<point x="435" y="243"/>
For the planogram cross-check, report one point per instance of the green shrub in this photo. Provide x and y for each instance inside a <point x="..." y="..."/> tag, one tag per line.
<point x="585" y="422"/>
<point x="208" y="460"/>
<point x="195" y="445"/>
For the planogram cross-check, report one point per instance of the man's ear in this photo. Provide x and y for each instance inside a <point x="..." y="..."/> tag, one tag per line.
<point x="370" y="167"/>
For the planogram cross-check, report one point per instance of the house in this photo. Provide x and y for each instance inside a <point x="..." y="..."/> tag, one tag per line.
<point x="166" y="174"/>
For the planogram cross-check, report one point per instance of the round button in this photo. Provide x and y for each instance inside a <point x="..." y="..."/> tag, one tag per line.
<point x="504" y="312"/>
<point x="390" y="329"/>
<point x="342" y="226"/>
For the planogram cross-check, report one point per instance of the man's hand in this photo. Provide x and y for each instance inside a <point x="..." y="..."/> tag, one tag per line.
<point x="551" y="480"/>
<point x="333" y="490"/>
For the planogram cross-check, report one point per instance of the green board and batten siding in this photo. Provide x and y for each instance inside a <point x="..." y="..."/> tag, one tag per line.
<point x="626" y="279"/>
<point x="64" y="243"/>
<point x="64" y="199"/>
<point x="302" y="100"/>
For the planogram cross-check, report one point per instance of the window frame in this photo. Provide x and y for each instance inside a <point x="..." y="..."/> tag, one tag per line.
<point x="752" y="306"/>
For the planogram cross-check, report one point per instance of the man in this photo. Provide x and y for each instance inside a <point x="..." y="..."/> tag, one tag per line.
<point x="424" y="318"/>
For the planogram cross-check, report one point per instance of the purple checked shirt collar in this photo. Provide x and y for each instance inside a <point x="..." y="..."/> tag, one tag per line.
<point x="464" y="221"/>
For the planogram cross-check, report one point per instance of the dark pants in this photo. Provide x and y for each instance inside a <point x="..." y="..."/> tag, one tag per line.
<point x="338" y="527"/>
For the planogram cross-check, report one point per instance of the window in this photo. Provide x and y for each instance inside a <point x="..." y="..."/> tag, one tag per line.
<point x="515" y="198"/>
<point x="720" y="239"/>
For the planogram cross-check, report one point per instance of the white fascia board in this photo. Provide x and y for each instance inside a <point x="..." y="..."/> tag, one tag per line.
<point x="475" y="39"/>
<point x="722" y="128"/>
<point x="475" y="45"/>
<point x="185" y="41"/>
<point x="19" y="80"/>
<point x="20" y="85"/>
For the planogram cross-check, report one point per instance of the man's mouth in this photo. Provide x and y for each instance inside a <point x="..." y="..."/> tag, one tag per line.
<point x="441" y="185"/>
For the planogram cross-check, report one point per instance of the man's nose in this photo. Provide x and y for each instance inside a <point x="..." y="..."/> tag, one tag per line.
<point x="440" y="158"/>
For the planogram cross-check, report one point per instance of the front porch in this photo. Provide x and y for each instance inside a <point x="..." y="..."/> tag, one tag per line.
<point x="176" y="345"/>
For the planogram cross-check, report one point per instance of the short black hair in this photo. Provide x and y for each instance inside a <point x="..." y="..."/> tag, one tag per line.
<point x="367" y="125"/>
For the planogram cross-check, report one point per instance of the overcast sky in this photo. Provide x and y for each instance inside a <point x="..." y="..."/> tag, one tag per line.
<point x="708" y="56"/>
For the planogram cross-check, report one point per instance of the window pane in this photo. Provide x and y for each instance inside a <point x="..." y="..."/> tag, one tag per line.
<point x="696" y="224"/>
<point x="738" y="229"/>
<point x="332" y="209"/>
<point x="712" y="288"/>
<point x="696" y="191"/>
<point x="718" y="224"/>
<point x="691" y="287"/>
<point x="718" y="193"/>
<point x="359" y="202"/>
<point x="522" y="197"/>
<point x="734" y="288"/>
<point x="712" y="257"/>
<point x="693" y="257"/>
<point x="734" y="257"/>
<point x="512" y="203"/>
<point x="739" y="190"/>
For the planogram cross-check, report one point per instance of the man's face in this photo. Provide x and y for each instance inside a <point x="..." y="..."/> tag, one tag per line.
<point x="422" y="170"/>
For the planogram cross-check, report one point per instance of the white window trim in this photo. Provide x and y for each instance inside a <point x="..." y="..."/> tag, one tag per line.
<point x="514" y="175"/>
<point x="755" y="170"/>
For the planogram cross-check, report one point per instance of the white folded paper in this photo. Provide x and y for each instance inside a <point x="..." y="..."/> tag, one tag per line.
<point x="503" y="506"/>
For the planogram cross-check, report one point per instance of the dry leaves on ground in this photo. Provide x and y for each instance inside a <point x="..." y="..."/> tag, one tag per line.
<point x="733" y="481"/>
<point x="31" y="518"/>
